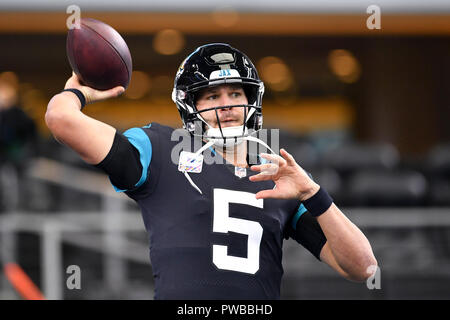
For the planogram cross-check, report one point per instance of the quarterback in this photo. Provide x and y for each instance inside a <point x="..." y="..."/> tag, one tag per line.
<point x="215" y="230"/>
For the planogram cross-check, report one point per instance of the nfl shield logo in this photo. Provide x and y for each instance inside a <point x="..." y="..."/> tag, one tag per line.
<point x="240" y="172"/>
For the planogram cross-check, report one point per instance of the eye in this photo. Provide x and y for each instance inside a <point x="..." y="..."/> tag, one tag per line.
<point x="236" y="94"/>
<point x="211" y="97"/>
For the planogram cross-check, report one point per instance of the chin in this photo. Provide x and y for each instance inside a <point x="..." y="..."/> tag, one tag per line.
<point x="229" y="124"/>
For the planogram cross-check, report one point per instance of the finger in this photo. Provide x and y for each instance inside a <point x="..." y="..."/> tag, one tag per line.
<point x="263" y="167"/>
<point x="267" y="168"/>
<point x="106" y="94"/>
<point x="274" y="158"/>
<point x="118" y="90"/>
<point x="255" y="167"/>
<point x="260" y="177"/>
<point x="288" y="157"/>
<point x="76" y="79"/>
<point x="72" y="82"/>
<point x="264" y="194"/>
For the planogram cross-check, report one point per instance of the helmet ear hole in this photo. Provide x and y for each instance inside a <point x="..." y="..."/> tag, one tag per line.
<point x="255" y="121"/>
<point x="191" y="100"/>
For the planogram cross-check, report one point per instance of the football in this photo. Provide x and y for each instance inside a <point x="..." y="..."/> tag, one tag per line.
<point x="99" y="55"/>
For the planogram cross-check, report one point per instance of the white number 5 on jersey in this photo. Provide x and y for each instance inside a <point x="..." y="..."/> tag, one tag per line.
<point x="224" y="223"/>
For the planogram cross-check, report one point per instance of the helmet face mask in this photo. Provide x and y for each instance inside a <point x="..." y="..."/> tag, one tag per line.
<point x="212" y="65"/>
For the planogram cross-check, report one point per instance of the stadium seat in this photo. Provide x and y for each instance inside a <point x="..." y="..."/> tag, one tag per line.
<point x="438" y="160"/>
<point x="439" y="194"/>
<point x="386" y="188"/>
<point x="330" y="180"/>
<point x="437" y="169"/>
<point x="305" y="155"/>
<point x="348" y="158"/>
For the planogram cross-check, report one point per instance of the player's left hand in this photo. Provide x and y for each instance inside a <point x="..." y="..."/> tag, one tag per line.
<point x="291" y="181"/>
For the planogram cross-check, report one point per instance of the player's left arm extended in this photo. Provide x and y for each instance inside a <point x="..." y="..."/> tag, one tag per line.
<point x="347" y="249"/>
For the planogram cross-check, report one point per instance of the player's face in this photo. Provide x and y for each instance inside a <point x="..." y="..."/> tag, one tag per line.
<point x="222" y="95"/>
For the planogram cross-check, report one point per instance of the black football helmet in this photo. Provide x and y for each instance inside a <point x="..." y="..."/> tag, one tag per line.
<point x="212" y="65"/>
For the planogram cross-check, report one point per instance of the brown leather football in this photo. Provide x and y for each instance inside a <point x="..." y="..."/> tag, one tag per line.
<point x="99" y="55"/>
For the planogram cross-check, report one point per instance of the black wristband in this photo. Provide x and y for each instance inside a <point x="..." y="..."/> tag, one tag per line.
<point x="80" y="96"/>
<point x="318" y="203"/>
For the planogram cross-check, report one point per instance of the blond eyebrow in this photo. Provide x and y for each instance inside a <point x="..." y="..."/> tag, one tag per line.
<point x="232" y="86"/>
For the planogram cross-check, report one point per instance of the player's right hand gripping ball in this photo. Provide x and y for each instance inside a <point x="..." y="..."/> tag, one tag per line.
<point x="99" y="55"/>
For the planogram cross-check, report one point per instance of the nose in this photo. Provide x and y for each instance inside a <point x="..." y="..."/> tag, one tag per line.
<point x="225" y="101"/>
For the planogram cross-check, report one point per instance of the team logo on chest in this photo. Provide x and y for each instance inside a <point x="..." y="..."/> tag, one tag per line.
<point x="240" y="172"/>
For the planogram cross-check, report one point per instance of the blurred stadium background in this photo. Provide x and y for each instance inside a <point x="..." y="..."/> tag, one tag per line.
<point x="367" y="112"/>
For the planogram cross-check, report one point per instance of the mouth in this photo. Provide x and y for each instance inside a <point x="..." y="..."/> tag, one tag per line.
<point x="227" y="122"/>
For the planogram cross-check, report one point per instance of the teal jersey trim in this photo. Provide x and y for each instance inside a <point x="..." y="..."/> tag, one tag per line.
<point x="301" y="210"/>
<point x="142" y="143"/>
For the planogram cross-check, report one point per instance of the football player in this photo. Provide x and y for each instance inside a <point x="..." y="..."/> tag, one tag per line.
<point x="215" y="229"/>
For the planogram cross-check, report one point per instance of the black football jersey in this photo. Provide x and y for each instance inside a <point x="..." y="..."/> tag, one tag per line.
<point x="218" y="242"/>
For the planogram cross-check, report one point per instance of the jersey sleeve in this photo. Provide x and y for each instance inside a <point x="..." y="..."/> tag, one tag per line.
<point x="305" y="229"/>
<point x="128" y="160"/>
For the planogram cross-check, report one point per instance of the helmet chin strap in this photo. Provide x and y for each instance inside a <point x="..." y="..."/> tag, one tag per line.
<point x="228" y="138"/>
<point x="232" y="136"/>
<point x="219" y="142"/>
